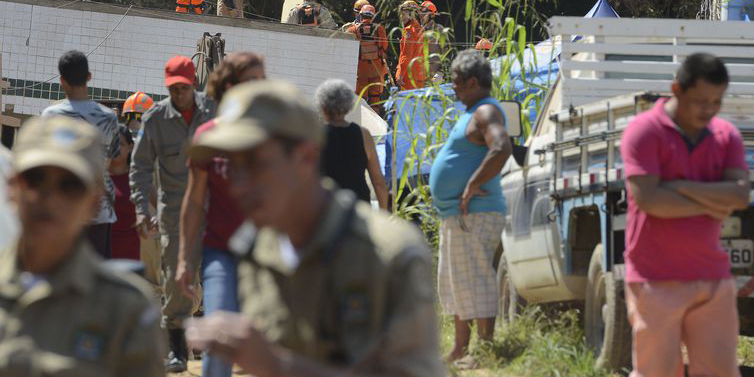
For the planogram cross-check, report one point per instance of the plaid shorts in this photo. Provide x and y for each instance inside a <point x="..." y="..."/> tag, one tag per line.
<point x="467" y="284"/>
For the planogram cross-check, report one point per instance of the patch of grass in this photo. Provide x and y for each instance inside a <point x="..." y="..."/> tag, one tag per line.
<point x="746" y="351"/>
<point x="536" y="344"/>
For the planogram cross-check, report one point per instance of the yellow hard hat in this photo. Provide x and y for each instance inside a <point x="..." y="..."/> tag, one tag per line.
<point x="358" y="4"/>
<point x="410" y="5"/>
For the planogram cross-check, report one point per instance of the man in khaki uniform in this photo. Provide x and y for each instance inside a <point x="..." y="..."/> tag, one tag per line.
<point x="62" y="312"/>
<point x="161" y="151"/>
<point x="328" y="286"/>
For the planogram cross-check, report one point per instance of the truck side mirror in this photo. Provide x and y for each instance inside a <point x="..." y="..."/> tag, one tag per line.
<point x="512" y="111"/>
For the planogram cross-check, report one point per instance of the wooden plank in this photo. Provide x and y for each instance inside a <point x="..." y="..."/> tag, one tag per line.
<point x="735" y="88"/>
<point x="651" y="28"/>
<point x="746" y="51"/>
<point x="644" y="67"/>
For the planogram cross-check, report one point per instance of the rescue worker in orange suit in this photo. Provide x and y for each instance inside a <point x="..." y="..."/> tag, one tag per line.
<point x="356" y="16"/>
<point x="411" y="73"/>
<point x="428" y="12"/>
<point x="484" y="45"/>
<point x="311" y="13"/>
<point x="372" y="51"/>
<point x="190" y="6"/>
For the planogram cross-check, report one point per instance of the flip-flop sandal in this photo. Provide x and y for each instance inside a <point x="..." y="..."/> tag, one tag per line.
<point x="467" y="362"/>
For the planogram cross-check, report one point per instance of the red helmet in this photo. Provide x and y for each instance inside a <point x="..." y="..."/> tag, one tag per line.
<point x="138" y="102"/>
<point x="484" y="44"/>
<point x="368" y="11"/>
<point x="429" y="6"/>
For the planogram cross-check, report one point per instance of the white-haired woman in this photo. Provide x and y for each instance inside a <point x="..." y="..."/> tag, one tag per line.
<point x="349" y="149"/>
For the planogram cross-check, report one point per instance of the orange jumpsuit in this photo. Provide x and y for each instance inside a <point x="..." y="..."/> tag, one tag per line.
<point x="411" y="73"/>
<point x="371" y="69"/>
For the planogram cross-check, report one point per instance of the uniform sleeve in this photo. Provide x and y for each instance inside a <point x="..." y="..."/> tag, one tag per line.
<point x="736" y="153"/>
<point x="325" y="19"/>
<point x="142" y="167"/>
<point x="640" y="149"/>
<point x="112" y="126"/>
<point x="411" y="348"/>
<point x="382" y="39"/>
<point x="144" y="347"/>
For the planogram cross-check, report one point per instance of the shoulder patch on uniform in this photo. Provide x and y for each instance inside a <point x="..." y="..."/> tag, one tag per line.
<point x="355" y="307"/>
<point x="88" y="345"/>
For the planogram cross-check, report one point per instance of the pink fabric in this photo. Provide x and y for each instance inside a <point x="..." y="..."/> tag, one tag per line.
<point x="683" y="249"/>
<point x="702" y="315"/>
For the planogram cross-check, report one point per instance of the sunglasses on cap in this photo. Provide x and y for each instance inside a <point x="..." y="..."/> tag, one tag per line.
<point x="68" y="184"/>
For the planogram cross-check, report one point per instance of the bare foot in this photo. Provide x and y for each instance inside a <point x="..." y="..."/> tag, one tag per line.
<point x="455" y="354"/>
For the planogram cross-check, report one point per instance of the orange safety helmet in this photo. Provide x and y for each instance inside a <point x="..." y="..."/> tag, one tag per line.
<point x="484" y="44"/>
<point x="138" y="102"/>
<point x="359" y="4"/>
<point x="429" y="6"/>
<point x="368" y="11"/>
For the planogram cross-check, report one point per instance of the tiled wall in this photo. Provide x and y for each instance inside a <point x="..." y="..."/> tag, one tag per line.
<point x="133" y="56"/>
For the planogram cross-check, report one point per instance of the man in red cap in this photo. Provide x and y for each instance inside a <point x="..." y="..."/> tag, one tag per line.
<point x="168" y="128"/>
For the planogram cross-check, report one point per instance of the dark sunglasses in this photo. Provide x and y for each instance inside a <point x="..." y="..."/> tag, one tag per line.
<point x="69" y="185"/>
<point x="133" y="116"/>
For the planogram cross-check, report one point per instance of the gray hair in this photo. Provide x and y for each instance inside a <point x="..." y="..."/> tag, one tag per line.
<point x="334" y="96"/>
<point x="470" y="63"/>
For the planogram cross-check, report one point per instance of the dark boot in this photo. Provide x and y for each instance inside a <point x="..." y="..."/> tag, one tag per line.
<point x="178" y="356"/>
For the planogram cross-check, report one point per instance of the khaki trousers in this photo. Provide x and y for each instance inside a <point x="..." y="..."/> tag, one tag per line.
<point x="176" y="307"/>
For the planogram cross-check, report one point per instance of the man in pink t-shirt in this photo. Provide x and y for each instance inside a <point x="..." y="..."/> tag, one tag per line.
<point x="685" y="172"/>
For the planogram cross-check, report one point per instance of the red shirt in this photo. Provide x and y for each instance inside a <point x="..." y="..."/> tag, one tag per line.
<point x="223" y="215"/>
<point x="683" y="249"/>
<point x="188" y="115"/>
<point x="125" y="240"/>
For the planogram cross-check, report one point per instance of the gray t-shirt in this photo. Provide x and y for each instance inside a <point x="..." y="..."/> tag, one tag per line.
<point x="105" y="120"/>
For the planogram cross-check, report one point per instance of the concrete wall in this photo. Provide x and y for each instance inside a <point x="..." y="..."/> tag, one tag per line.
<point x="133" y="56"/>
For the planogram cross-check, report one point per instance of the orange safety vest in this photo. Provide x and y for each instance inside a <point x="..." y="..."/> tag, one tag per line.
<point x="368" y="49"/>
<point x="308" y="15"/>
<point x="183" y="6"/>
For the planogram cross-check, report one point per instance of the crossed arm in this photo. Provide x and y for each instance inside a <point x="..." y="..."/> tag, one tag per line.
<point x="676" y="199"/>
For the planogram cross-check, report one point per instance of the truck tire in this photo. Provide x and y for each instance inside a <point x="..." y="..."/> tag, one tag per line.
<point x="605" y="319"/>
<point x="510" y="303"/>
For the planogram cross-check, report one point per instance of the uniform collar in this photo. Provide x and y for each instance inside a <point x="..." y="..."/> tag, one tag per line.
<point x="199" y="102"/>
<point x="328" y="231"/>
<point x="77" y="273"/>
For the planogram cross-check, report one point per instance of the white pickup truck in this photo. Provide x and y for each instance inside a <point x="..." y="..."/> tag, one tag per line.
<point x="564" y="236"/>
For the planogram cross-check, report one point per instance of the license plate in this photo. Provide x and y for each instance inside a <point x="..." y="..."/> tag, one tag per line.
<point x="740" y="252"/>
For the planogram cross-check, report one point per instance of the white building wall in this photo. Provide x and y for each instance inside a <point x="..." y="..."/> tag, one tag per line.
<point x="133" y="56"/>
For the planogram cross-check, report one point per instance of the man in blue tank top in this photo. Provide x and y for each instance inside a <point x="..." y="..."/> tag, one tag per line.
<point x="465" y="186"/>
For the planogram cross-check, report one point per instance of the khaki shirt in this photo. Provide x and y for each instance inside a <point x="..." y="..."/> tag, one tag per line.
<point x="324" y="20"/>
<point x="83" y="320"/>
<point x="361" y="296"/>
<point x="162" y="146"/>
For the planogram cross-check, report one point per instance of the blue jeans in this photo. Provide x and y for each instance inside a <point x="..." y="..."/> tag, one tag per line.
<point x="220" y="283"/>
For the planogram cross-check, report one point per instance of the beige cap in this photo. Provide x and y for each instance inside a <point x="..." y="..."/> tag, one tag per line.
<point x="64" y="142"/>
<point x="250" y="113"/>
